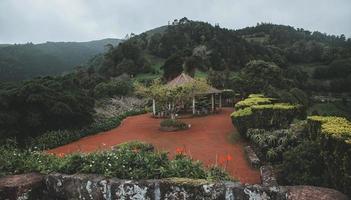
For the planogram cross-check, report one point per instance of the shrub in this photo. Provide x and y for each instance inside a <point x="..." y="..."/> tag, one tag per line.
<point x="253" y="99"/>
<point x="216" y="174"/>
<point x="303" y="165"/>
<point x="173" y="123"/>
<point x="183" y="166"/>
<point x="334" y="136"/>
<point x="264" y="114"/>
<point x="113" y="88"/>
<point x="132" y="160"/>
<point x="272" y="144"/>
<point x="54" y="139"/>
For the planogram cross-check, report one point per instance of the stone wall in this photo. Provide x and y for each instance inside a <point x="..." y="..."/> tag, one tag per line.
<point x="80" y="186"/>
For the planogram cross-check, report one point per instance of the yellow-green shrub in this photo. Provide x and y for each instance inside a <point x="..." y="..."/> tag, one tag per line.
<point x="253" y="99"/>
<point x="334" y="136"/>
<point x="261" y="112"/>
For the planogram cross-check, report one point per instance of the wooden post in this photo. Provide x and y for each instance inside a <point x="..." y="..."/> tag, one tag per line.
<point x="220" y="100"/>
<point x="154" y="106"/>
<point x="194" y="109"/>
<point x="212" y="100"/>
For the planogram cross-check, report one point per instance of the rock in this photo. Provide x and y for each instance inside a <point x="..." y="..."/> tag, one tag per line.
<point x="24" y="186"/>
<point x="252" y="157"/>
<point x="59" y="186"/>
<point x="267" y="176"/>
<point x="313" y="193"/>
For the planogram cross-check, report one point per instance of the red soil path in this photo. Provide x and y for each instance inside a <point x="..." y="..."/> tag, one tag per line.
<point x="206" y="140"/>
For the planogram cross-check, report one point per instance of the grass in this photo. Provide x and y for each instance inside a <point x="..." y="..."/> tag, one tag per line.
<point x="200" y="74"/>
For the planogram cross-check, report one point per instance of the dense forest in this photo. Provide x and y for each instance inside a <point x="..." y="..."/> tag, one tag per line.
<point x="24" y="61"/>
<point x="292" y="64"/>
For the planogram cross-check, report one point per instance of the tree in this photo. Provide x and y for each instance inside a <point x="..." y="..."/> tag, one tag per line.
<point x="261" y="74"/>
<point x="173" y="67"/>
<point x="170" y="98"/>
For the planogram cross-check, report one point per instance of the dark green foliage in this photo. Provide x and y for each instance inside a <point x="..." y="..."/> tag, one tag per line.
<point x="299" y="45"/>
<point x="183" y="166"/>
<point x="128" y="161"/>
<point x="303" y="165"/>
<point x="272" y="144"/>
<point x="19" y="62"/>
<point x="127" y="57"/>
<point x="113" y="88"/>
<point x="261" y="74"/>
<point x="173" y="123"/>
<point x="333" y="135"/>
<point x="54" y="139"/>
<point x="173" y="67"/>
<point x="50" y="103"/>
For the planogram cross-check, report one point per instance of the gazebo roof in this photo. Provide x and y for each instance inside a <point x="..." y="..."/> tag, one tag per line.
<point x="184" y="79"/>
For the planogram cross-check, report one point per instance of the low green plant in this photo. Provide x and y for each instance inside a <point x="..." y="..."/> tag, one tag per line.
<point x="272" y="144"/>
<point x="303" y="165"/>
<point x="133" y="160"/>
<point x="173" y="123"/>
<point x="57" y="138"/>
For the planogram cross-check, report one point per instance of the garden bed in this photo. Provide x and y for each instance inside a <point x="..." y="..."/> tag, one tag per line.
<point x="171" y="125"/>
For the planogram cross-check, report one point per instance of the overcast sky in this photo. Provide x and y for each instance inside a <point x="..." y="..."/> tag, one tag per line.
<point x="83" y="20"/>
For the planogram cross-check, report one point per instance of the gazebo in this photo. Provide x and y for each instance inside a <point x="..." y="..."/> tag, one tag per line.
<point x="185" y="79"/>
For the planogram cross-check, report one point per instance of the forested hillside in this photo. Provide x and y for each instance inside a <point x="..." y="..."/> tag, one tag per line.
<point x="294" y="65"/>
<point x="23" y="61"/>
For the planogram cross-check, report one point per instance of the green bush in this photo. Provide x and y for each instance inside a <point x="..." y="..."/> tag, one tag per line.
<point x="272" y="144"/>
<point x="113" y="88"/>
<point x="173" y="123"/>
<point x="303" y="165"/>
<point x="54" y="139"/>
<point x="334" y="136"/>
<point x="260" y="112"/>
<point x="253" y="99"/>
<point x="133" y="160"/>
<point x="183" y="166"/>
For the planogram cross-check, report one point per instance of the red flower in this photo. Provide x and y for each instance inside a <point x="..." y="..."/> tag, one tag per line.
<point x="229" y="157"/>
<point x="180" y="150"/>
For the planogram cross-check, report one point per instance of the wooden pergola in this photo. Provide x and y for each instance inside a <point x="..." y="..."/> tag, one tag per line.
<point x="184" y="79"/>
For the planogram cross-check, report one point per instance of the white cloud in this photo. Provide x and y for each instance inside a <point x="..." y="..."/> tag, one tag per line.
<point x="81" y="20"/>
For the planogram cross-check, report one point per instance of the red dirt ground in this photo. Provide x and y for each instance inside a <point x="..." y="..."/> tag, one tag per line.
<point x="206" y="140"/>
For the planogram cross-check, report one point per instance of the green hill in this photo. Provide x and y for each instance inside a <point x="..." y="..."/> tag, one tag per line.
<point x="24" y="61"/>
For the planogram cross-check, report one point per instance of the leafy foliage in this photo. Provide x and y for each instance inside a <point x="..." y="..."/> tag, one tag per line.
<point x="170" y="98"/>
<point x="128" y="161"/>
<point x="31" y="107"/>
<point x="173" y="123"/>
<point x="24" y="61"/>
<point x="303" y="165"/>
<point x="54" y="139"/>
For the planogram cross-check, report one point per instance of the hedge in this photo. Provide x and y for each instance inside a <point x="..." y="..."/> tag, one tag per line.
<point x="253" y="99"/>
<point x="57" y="138"/>
<point x="334" y="136"/>
<point x="260" y="112"/>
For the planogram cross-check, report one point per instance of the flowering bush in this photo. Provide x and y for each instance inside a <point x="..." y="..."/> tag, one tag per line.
<point x="133" y="160"/>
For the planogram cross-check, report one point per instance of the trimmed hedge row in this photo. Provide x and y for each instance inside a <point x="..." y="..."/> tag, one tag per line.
<point x="334" y="136"/>
<point x="253" y="99"/>
<point x="54" y="139"/>
<point x="257" y="114"/>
